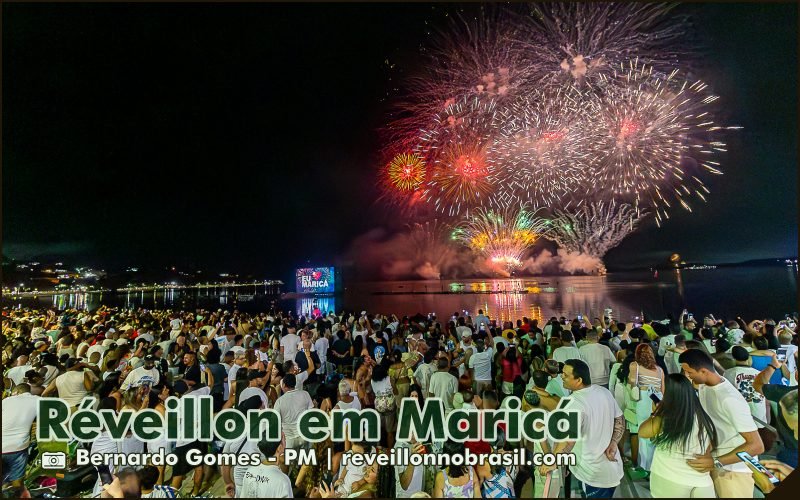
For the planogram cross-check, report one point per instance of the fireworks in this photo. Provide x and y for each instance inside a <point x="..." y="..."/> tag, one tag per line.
<point x="540" y="153"/>
<point x="558" y="107"/>
<point x="501" y="236"/>
<point x="456" y="147"/>
<point x="594" y="228"/>
<point x="406" y="172"/>
<point x="469" y="57"/>
<point x="577" y="42"/>
<point x="651" y="129"/>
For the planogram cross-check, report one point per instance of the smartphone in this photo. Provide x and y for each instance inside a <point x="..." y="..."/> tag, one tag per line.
<point x="748" y="459"/>
<point x="655" y="398"/>
<point x="580" y="317"/>
<point x="637" y="325"/>
<point x="690" y="317"/>
<point x="781" y="355"/>
<point x="105" y="474"/>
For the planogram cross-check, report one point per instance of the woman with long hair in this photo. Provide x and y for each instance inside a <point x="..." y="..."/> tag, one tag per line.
<point x="680" y="429"/>
<point x="645" y="378"/>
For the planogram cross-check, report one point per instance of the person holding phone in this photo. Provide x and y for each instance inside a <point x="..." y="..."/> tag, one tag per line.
<point x="736" y="429"/>
<point x="679" y="429"/>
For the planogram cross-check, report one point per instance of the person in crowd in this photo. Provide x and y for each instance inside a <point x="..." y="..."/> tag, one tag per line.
<point x="680" y="430"/>
<point x="132" y="360"/>
<point x="736" y="430"/>
<point x="598" y="461"/>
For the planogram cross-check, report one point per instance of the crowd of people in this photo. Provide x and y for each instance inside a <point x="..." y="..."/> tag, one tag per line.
<point x="674" y="404"/>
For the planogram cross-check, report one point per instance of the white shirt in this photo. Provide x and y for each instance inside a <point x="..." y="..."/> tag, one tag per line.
<point x="566" y="352"/>
<point x="17" y="373"/>
<point x="95" y="348"/>
<point x="481" y="363"/>
<point x="422" y="375"/>
<point x="289" y="343"/>
<point x="599" y="358"/>
<point x="290" y="406"/>
<point x="443" y="386"/>
<point x="241" y="446"/>
<point x="321" y="346"/>
<point x="265" y="481"/>
<point x="249" y="392"/>
<point x="70" y="387"/>
<point x="19" y="412"/>
<point x="790" y="363"/>
<point x="355" y="404"/>
<point x="598" y="409"/>
<point x="742" y="378"/>
<point x="139" y="375"/>
<point x="203" y="391"/>
<point x="416" y="483"/>
<point x="461" y="330"/>
<point x="731" y="415"/>
<point x="176" y="324"/>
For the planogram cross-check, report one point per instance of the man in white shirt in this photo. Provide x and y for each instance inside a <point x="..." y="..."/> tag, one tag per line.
<point x="290" y="405"/>
<point x="257" y="380"/>
<point x="266" y="480"/>
<point x="443" y="385"/>
<point x="598" y="462"/>
<point x="567" y="350"/>
<point x="17" y="373"/>
<point x="736" y="430"/>
<point x="480" y="363"/>
<point x="462" y="328"/>
<point x="598" y="357"/>
<point x="742" y="377"/>
<point x="289" y="344"/>
<point x="482" y="319"/>
<point x="785" y="338"/>
<point x="19" y="412"/>
<point x="146" y="374"/>
<point x="422" y="375"/>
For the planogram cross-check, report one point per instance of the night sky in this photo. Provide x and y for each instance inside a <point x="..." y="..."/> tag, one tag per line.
<point x="243" y="137"/>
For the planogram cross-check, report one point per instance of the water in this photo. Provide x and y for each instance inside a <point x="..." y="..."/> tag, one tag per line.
<point x="756" y="292"/>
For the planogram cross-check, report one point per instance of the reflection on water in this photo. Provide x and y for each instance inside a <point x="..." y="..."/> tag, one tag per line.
<point x="725" y="292"/>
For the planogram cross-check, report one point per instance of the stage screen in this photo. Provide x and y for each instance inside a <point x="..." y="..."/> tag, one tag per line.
<point x="315" y="280"/>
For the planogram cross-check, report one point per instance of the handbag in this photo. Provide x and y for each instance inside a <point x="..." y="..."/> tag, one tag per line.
<point x="636" y="393"/>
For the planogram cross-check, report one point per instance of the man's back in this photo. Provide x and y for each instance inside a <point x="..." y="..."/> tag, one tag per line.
<point x="598" y="409"/>
<point x="265" y="481"/>
<point x="566" y="352"/>
<point x="599" y="358"/>
<point x="443" y="385"/>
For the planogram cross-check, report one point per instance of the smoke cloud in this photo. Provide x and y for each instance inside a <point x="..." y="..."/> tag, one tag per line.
<point x="425" y="252"/>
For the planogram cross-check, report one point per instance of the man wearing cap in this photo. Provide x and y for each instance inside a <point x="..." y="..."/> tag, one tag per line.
<point x="742" y="377"/>
<point x="144" y="375"/>
<point x="257" y="379"/>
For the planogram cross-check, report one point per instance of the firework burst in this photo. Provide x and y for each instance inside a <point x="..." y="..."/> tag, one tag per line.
<point x="652" y="130"/>
<point x="578" y="42"/>
<point x="594" y="228"/>
<point x="457" y="147"/>
<point x="406" y="172"/>
<point x="540" y="153"/>
<point x="501" y="236"/>
<point x="471" y="56"/>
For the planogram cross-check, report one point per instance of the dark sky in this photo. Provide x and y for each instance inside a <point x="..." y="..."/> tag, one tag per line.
<point x="243" y="137"/>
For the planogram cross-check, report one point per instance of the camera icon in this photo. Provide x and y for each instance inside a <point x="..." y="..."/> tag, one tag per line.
<point x="54" y="461"/>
